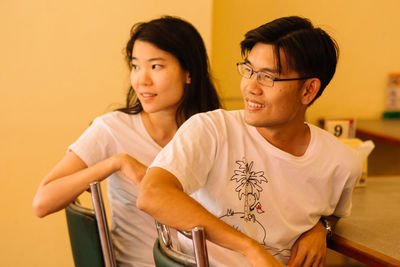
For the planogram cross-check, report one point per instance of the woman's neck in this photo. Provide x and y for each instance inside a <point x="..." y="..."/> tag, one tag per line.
<point x="161" y="126"/>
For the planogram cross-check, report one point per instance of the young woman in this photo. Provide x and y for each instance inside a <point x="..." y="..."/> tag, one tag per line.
<point x="170" y="82"/>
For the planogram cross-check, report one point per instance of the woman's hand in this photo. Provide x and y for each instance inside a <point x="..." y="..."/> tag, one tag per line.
<point x="130" y="168"/>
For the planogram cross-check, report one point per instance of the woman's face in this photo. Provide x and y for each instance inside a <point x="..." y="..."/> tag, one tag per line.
<point x="157" y="78"/>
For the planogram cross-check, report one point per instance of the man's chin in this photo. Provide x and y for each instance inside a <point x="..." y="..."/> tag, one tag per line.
<point x="250" y="120"/>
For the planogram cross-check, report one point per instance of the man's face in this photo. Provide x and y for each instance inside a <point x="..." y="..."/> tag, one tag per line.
<point x="274" y="106"/>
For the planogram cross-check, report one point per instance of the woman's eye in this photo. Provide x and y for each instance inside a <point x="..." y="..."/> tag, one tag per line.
<point x="156" y="66"/>
<point x="135" y="67"/>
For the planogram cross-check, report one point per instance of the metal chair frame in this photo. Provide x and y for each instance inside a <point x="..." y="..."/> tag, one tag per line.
<point x="99" y="215"/>
<point x="197" y="235"/>
<point x="102" y="224"/>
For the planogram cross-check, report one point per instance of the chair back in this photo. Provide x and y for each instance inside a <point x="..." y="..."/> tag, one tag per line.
<point x="84" y="236"/>
<point x="88" y="232"/>
<point x="167" y="255"/>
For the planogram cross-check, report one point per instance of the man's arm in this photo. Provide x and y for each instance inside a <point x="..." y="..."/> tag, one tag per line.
<point x="161" y="195"/>
<point x="310" y="247"/>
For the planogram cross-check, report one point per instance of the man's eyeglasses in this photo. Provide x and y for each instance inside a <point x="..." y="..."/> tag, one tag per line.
<point x="263" y="78"/>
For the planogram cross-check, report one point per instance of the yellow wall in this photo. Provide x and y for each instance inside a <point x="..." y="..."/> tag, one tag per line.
<point x="367" y="32"/>
<point x="60" y="66"/>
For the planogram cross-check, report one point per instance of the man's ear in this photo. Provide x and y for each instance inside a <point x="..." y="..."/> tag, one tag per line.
<point x="310" y="90"/>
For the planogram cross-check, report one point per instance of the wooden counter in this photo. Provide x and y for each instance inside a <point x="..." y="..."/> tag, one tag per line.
<point x="385" y="158"/>
<point x="384" y="130"/>
<point x="372" y="232"/>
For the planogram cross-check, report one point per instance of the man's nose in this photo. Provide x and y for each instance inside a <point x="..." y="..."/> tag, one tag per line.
<point x="253" y="86"/>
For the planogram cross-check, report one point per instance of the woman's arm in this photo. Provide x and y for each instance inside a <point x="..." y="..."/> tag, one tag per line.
<point x="161" y="195"/>
<point x="71" y="176"/>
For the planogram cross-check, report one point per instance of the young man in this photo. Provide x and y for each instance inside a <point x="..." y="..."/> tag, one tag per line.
<point x="263" y="183"/>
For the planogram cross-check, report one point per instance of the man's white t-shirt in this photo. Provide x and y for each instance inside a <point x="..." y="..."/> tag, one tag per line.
<point x="133" y="231"/>
<point x="264" y="192"/>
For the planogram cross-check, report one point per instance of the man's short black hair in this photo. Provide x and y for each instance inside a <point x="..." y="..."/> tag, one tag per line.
<point x="308" y="50"/>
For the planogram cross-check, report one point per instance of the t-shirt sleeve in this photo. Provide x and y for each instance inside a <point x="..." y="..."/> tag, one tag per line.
<point x="191" y="153"/>
<point x="343" y="208"/>
<point x="94" y="144"/>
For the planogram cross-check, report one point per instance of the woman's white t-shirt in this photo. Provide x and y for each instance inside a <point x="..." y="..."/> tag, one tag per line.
<point x="133" y="231"/>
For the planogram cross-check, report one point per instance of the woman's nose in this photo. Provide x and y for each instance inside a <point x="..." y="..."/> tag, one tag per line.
<point x="142" y="77"/>
<point x="145" y="77"/>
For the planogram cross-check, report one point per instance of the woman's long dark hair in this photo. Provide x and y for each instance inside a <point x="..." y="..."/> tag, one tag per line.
<point x="182" y="40"/>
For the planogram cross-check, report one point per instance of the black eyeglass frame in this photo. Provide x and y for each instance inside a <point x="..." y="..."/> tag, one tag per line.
<point x="273" y="79"/>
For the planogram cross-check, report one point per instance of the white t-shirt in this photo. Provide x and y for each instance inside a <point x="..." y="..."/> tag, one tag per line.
<point x="133" y="231"/>
<point x="266" y="193"/>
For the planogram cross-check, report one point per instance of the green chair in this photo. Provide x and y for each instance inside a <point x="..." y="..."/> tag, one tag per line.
<point x="88" y="231"/>
<point x="166" y="255"/>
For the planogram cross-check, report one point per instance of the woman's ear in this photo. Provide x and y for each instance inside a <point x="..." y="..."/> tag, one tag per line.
<point x="188" y="80"/>
<point x="310" y="90"/>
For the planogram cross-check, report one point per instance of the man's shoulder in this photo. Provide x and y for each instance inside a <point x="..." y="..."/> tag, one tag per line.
<point x="219" y="115"/>
<point x="336" y="148"/>
<point x="218" y="122"/>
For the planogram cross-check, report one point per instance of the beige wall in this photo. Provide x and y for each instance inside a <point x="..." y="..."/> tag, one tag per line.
<point x="60" y="66"/>
<point x="367" y="32"/>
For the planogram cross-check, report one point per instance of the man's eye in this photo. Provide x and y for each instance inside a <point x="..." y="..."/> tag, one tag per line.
<point x="247" y="69"/>
<point x="264" y="76"/>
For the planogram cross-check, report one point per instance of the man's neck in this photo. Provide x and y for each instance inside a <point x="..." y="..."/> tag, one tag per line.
<point x="293" y="139"/>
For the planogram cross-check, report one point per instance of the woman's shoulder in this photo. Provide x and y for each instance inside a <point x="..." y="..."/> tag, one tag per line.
<point x="117" y="118"/>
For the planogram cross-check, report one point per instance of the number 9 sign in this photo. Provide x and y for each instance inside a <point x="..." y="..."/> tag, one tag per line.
<point x="341" y="128"/>
<point x="338" y="130"/>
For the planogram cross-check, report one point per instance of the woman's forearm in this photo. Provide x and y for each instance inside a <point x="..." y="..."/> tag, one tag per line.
<point x="67" y="181"/>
